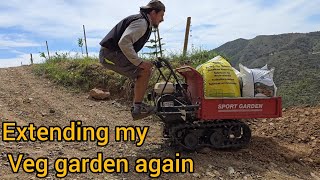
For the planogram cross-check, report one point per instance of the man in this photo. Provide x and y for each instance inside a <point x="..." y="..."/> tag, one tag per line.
<point x="119" y="51"/>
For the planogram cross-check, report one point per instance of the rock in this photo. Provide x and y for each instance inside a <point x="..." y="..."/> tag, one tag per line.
<point x="247" y="177"/>
<point x="210" y="174"/>
<point x="205" y="150"/>
<point x="98" y="94"/>
<point x="28" y="100"/>
<point x="4" y="158"/>
<point x="312" y="138"/>
<point x="309" y="160"/>
<point x="114" y="103"/>
<point x="299" y="129"/>
<point x="295" y="119"/>
<point x="306" y="113"/>
<point x="273" y="164"/>
<point x="196" y="175"/>
<point x="314" y="112"/>
<point x="264" y="120"/>
<point x="231" y="171"/>
<point x="52" y="111"/>
<point x="314" y="176"/>
<point x="271" y="124"/>
<point x="216" y="172"/>
<point x="314" y="144"/>
<point x="6" y="164"/>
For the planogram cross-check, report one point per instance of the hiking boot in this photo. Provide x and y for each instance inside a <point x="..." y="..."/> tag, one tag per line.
<point x="142" y="111"/>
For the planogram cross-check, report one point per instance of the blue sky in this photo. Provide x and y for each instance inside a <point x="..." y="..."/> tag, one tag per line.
<point x="25" y="26"/>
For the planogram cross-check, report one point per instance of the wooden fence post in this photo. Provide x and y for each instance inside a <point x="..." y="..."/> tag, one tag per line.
<point x="31" y="59"/>
<point x="48" y="50"/>
<point x="85" y="39"/>
<point x="186" y="37"/>
<point x="160" y="46"/>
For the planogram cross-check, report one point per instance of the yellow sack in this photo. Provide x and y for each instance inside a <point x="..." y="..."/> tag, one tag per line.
<point x="219" y="78"/>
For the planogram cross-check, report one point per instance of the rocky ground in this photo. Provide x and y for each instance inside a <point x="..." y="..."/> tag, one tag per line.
<point x="282" y="148"/>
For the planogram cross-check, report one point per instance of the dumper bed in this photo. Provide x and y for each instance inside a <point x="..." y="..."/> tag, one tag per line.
<point x="225" y="107"/>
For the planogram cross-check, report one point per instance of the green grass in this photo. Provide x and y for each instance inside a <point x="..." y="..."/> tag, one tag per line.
<point x="79" y="74"/>
<point x="298" y="93"/>
<point x="83" y="74"/>
<point x="194" y="58"/>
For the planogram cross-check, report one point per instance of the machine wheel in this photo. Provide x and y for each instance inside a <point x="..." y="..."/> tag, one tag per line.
<point x="191" y="141"/>
<point x="246" y="136"/>
<point x="222" y="134"/>
<point x="235" y="132"/>
<point x="216" y="138"/>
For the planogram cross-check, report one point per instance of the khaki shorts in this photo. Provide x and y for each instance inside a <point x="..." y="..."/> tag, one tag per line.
<point x="118" y="62"/>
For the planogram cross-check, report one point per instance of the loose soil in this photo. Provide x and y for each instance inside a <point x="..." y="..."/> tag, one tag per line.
<point x="282" y="148"/>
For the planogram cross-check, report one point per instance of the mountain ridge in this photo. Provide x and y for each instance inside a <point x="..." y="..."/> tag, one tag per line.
<point x="295" y="56"/>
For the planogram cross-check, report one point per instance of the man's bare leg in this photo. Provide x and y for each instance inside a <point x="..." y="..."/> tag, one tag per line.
<point x="141" y="85"/>
<point x="140" y="110"/>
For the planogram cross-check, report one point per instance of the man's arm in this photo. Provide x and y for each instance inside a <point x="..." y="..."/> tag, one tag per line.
<point x="131" y="35"/>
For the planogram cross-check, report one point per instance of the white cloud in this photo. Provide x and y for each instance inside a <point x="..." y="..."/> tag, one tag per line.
<point x="213" y="22"/>
<point x="65" y="18"/>
<point x="22" y="59"/>
<point x="234" y="19"/>
<point x="5" y="43"/>
<point x="14" y="41"/>
<point x="92" y="42"/>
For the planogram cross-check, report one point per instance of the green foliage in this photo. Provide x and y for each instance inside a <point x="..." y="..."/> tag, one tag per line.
<point x="154" y="46"/>
<point x="193" y="58"/>
<point x="80" y="44"/>
<point x="296" y="85"/>
<point x="295" y="57"/>
<point x="298" y="93"/>
<point x="43" y="55"/>
<point x="80" y="74"/>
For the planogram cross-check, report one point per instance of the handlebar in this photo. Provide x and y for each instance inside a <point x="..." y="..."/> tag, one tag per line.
<point x="161" y="62"/>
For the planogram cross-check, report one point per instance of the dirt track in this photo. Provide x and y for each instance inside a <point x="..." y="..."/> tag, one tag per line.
<point x="284" y="148"/>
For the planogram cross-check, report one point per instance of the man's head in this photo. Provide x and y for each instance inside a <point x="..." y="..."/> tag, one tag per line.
<point x="155" y="9"/>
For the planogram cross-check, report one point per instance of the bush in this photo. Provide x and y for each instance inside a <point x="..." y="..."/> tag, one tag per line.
<point x="80" y="74"/>
<point x="83" y="74"/>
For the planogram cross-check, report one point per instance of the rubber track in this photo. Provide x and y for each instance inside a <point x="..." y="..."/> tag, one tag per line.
<point x="212" y="125"/>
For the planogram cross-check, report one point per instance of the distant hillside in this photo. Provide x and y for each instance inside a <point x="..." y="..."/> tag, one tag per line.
<point x="296" y="57"/>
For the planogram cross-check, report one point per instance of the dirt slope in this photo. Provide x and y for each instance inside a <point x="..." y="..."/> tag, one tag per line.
<point x="284" y="148"/>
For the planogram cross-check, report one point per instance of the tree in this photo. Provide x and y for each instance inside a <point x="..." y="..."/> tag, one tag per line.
<point x="80" y="44"/>
<point x="43" y="55"/>
<point x="155" y="45"/>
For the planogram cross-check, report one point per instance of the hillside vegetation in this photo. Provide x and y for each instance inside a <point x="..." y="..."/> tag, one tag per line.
<point x="83" y="74"/>
<point x="295" y="56"/>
